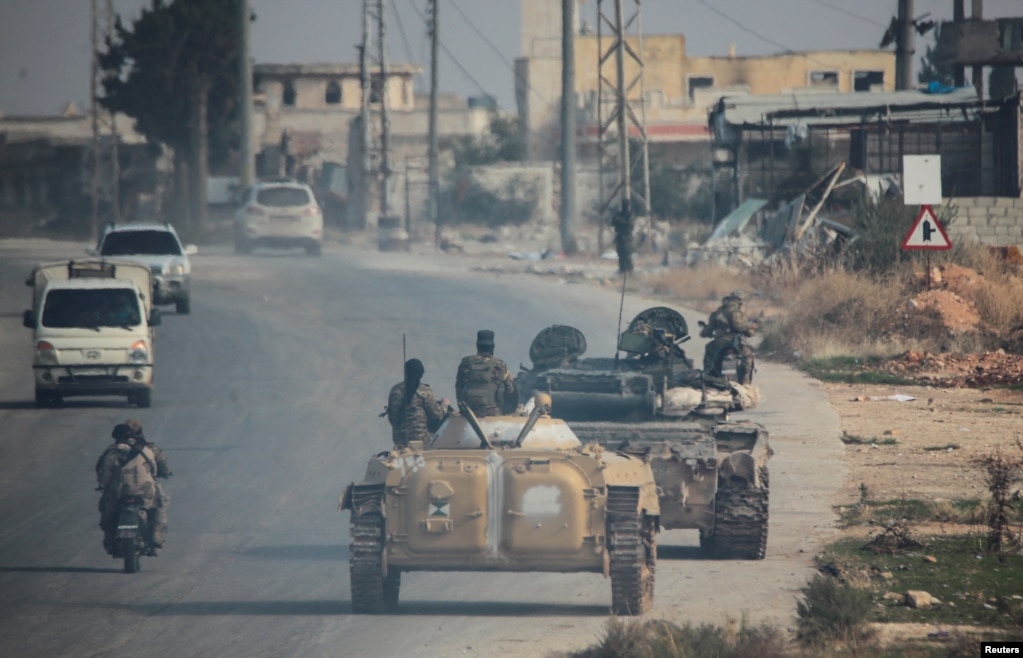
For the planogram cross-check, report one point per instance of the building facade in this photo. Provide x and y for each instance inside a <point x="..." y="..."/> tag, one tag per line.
<point x="676" y="90"/>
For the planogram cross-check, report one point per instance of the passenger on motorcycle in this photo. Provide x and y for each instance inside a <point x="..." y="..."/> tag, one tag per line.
<point x="130" y="466"/>
<point x="728" y="327"/>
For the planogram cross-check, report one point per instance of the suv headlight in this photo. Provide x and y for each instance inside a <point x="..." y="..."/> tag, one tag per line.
<point x="139" y="352"/>
<point x="177" y="269"/>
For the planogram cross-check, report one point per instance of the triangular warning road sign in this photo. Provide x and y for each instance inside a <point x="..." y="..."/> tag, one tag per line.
<point x="927" y="232"/>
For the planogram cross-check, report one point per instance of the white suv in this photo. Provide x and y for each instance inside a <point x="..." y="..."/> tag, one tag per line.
<point x="279" y="213"/>
<point x="158" y="247"/>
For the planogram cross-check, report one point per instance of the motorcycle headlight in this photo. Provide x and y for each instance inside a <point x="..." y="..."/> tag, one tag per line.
<point x="139" y="352"/>
<point x="46" y="354"/>
<point x="177" y="269"/>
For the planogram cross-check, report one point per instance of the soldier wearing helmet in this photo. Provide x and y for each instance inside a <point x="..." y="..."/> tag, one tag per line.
<point x="483" y="382"/>
<point x="729" y="327"/>
<point x="130" y="466"/>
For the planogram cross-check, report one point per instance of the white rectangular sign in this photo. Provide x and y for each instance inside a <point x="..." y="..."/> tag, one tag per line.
<point x="921" y="180"/>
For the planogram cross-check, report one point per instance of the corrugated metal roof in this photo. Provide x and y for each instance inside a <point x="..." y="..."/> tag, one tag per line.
<point x="839" y="109"/>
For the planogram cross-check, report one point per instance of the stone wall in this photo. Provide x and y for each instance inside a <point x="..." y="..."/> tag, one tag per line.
<point x="992" y="221"/>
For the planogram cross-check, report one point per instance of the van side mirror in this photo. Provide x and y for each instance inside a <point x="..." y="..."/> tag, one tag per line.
<point x="191" y="250"/>
<point x="92" y="251"/>
<point x="28" y="320"/>
<point x="155" y="317"/>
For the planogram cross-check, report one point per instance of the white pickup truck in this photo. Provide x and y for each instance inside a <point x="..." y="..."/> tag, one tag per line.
<point x="93" y="330"/>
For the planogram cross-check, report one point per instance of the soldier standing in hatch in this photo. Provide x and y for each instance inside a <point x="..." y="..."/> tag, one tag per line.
<point x="483" y="382"/>
<point x="412" y="411"/>
<point x="728" y="326"/>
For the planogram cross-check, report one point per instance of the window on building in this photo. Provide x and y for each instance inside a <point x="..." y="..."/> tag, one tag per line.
<point x="289" y="95"/>
<point x="699" y="82"/>
<point x="868" y="81"/>
<point x="376" y="89"/>
<point x="654" y="98"/>
<point x="824" y="78"/>
<point x="333" y="95"/>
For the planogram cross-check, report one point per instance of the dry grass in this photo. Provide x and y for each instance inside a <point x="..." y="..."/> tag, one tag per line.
<point x="703" y="286"/>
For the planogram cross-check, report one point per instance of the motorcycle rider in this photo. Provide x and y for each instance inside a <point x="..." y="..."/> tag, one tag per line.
<point x="129" y="467"/>
<point x="728" y="327"/>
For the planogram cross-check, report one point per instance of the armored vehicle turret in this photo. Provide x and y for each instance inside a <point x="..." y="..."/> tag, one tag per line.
<point x="504" y="493"/>
<point x="711" y="472"/>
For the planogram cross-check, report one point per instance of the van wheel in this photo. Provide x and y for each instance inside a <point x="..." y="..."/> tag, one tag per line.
<point x="143" y="398"/>
<point x="183" y="305"/>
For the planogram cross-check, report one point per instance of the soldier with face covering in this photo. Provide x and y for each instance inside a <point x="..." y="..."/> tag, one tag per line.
<point x="413" y="412"/>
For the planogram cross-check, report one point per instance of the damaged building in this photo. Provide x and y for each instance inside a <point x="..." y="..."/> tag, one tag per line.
<point x="770" y="152"/>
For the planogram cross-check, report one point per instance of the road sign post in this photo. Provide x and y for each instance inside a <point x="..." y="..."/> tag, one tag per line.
<point x="921" y="177"/>
<point x="928" y="235"/>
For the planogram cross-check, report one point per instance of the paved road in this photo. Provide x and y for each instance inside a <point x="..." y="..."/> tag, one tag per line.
<point x="266" y="403"/>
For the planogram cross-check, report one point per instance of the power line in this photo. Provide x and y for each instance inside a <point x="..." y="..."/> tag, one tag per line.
<point x="786" y="49"/>
<point x="486" y="39"/>
<point x="743" y="27"/>
<point x="401" y="29"/>
<point x="843" y="10"/>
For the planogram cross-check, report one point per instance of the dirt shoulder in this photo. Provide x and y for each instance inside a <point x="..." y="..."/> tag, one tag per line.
<point x="927" y="447"/>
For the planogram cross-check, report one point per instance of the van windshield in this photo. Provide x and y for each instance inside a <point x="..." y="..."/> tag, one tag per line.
<point x="104" y="307"/>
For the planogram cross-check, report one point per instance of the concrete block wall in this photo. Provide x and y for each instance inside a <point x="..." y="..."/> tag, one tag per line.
<point x="992" y="221"/>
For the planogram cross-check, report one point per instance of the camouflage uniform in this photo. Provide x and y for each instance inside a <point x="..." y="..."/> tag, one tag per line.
<point x="417" y="420"/>
<point x="729" y="327"/>
<point x="483" y="382"/>
<point x="130" y="466"/>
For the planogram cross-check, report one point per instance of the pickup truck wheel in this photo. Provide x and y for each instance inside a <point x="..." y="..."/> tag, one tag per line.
<point x="183" y="305"/>
<point x="44" y="399"/>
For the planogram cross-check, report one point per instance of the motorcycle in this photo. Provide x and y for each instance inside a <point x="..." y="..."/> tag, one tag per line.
<point x="133" y="532"/>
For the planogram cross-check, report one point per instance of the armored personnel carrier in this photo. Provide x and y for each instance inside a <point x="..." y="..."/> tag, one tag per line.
<point x="711" y="472"/>
<point x="503" y="493"/>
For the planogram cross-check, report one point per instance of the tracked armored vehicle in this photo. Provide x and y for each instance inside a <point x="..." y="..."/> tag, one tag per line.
<point x="655" y="378"/>
<point x="711" y="472"/>
<point x="504" y="493"/>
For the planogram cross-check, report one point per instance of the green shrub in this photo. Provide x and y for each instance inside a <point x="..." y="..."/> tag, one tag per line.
<point x="662" y="639"/>
<point x="831" y="611"/>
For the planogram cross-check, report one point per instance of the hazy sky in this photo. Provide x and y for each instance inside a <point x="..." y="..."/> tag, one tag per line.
<point x="44" y="44"/>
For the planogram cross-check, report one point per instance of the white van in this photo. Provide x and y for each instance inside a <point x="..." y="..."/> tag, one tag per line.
<point x="93" y="330"/>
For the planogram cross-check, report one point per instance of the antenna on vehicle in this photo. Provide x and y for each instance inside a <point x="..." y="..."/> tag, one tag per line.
<point x="621" y="305"/>
<point x="404" y="389"/>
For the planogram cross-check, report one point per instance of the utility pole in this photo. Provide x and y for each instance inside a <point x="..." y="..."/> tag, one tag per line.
<point x="100" y="141"/>
<point x="977" y="13"/>
<point x="358" y="215"/>
<point x="433" y="177"/>
<point x="904" y="46"/>
<point x="568" y="132"/>
<point x="615" y="125"/>
<point x="94" y="109"/>
<point x="958" y="17"/>
<point x="246" y="171"/>
<point x="115" y="138"/>
<point x="385" y="127"/>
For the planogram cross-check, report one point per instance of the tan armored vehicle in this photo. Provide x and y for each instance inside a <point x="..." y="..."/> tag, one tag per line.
<point x="711" y="477"/>
<point x="711" y="472"/>
<point x="504" y="493"/>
